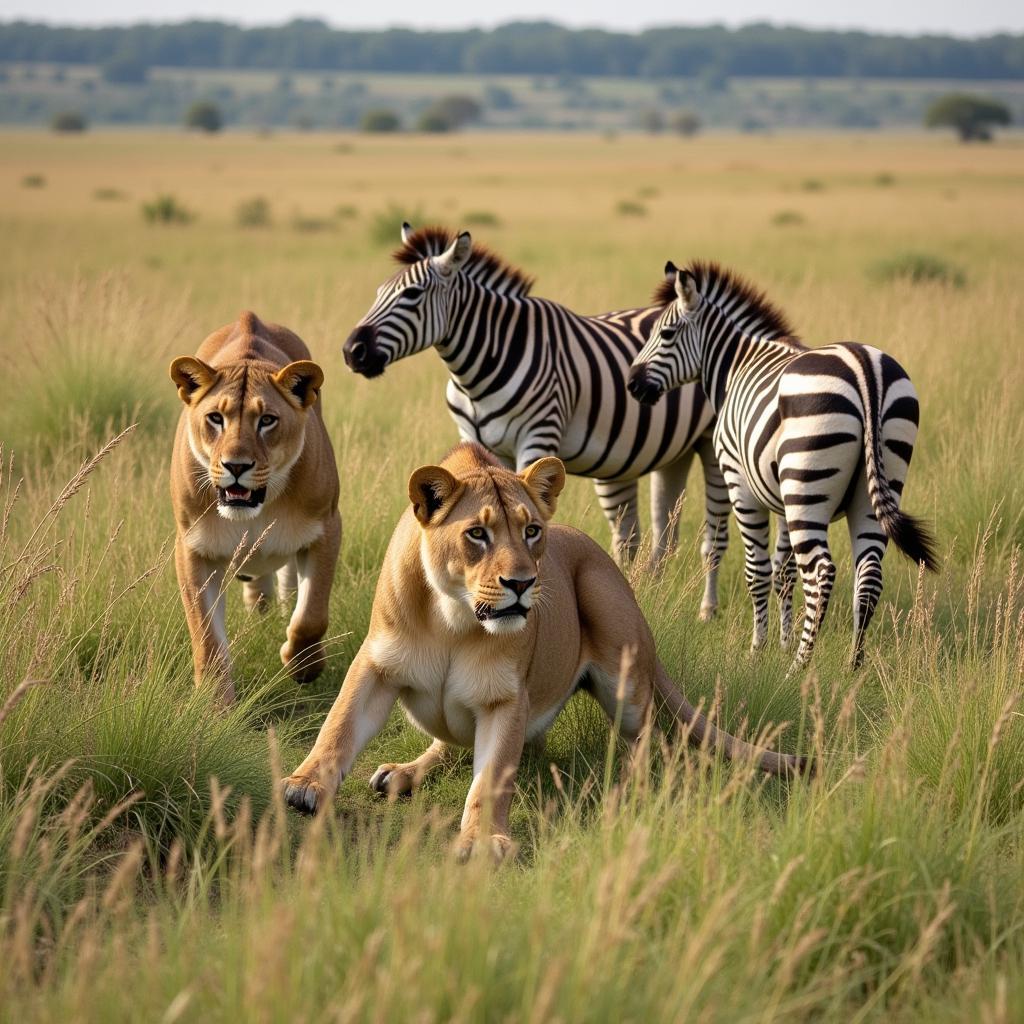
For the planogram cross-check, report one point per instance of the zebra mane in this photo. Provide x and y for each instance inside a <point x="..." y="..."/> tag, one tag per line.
<point x="728" y="291"/>
<point x="483" y="265"/>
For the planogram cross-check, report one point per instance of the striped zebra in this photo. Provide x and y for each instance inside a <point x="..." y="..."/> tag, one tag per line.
<point x="810" y="434"/>
<point x="530" y="378"/>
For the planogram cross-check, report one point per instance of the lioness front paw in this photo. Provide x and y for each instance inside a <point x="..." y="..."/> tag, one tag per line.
<point x="394" y="780"/>
<point x="304" y="662"/>
<point x="303" y="794"/>
<point x="708" y="612"/>
<point x="501" y="847"/>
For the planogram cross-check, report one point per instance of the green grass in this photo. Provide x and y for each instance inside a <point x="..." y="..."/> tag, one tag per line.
<point x="146" y="870"/>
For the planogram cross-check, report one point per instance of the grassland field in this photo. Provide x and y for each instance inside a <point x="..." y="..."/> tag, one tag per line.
<point x="148" y="873"/>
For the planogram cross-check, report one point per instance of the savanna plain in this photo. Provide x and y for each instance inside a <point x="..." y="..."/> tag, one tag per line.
<point x="147" y="869"/>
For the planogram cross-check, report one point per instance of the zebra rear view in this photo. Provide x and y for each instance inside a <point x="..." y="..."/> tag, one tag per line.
<point x="810" y="434"/>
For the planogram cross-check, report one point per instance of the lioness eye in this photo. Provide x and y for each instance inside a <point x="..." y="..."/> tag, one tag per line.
<point x="533" y="530"/>
<point x="215" y="419"/>
<point x="267" y="421"/>
<point x="477" y="533"/>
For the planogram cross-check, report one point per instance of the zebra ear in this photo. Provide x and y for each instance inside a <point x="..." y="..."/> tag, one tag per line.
<point x="407" y="232"/>
<point x="453" y="259"/>
<point x="671" y="269"/>
<point x="686" y="289"/>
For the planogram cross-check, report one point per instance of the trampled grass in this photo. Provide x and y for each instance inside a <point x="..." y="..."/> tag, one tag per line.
<point x="134" y="887"/>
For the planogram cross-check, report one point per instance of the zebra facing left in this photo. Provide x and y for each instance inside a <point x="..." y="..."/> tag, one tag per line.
<point x="810" y="434"/>
<point x="530" y="377"/>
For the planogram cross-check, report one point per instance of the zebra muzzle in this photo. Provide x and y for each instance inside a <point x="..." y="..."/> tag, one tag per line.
<point x="362" y="354"/>
<point x="641" y="387"/>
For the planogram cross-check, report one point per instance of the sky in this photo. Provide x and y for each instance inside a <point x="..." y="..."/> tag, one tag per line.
<point x="976" y="17"/>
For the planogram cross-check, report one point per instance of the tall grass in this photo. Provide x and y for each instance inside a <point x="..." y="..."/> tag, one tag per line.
<point x="147" y="868"/>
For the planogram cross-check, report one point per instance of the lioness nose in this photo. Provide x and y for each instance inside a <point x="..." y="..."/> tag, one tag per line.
<point x="518" y="587"/>
<point x="238" y="468"/>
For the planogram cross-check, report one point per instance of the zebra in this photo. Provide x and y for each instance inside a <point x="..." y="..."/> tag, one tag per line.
<point x="529" y="378"/>
<point x="810" y="434"/>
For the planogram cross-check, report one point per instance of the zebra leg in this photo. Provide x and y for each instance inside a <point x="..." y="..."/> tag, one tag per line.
<point x="868" y="544"/>
<point x="668" y="485"/>
<point x="752" y="520"/>
<point x="817" y="575"/>
<point x="617" y="499"/>
<point x="716" y="525"/>
<point x="784" y="581"/>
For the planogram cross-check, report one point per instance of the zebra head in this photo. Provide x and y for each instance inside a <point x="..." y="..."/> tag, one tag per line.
<point x="672" y="354"/>
<point x="411" y="311"/>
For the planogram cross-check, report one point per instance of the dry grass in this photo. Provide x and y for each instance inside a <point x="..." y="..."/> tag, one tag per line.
<point x="146" y="872"/>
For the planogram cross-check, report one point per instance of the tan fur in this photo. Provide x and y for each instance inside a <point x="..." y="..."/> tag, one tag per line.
<point x="493" y="685"/>
<point x="242" y="372"/>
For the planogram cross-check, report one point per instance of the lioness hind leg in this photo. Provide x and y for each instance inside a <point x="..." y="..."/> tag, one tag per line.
<point x="256" y="594"/>
<point x="393" y="780"/>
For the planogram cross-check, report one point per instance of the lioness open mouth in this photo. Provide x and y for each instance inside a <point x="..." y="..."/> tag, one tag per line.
<point x="484" y="612"/>
<point x="237" y="496"/>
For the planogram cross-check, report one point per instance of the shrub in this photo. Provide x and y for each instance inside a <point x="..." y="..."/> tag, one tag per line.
<point x="346" y="211"/>
<point x="310" y="224"/>
<point x="165" y="209"/>
<point x="812" y="185"/>
<point x="68" y="121"/>
<point x="788" y="218"/>
<point x="685" y="122"/>
<point x="917" y="268"/>
<point x="253" y="213"/>
<point x="972" y="117"/>
<point x="481" y="219"/>
<point x="458" y="110"/>
<point x="433" y="121"/>
<point x="204" y="116"/>
<point x="33" y="181"/>
<point x="630" y="208"/>
<point x="652" y="121"/>
<point x="386" y="225"/>
<point x="108" y="194"/>
<point x="380" y="121"/>
<point x="884" y="179"/>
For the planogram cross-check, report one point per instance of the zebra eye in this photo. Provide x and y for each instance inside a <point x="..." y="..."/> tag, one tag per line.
<point x="412" y="292"/>
<point x="533" y="530"/>
<point x="267" y="421"/>
<point x="477" y="533"/>
<point x="215" y="419"/>
<point x="667" y="332"/>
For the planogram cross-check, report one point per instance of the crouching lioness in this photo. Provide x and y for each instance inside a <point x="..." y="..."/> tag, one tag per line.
<point x="485" y="621"/>
<point x="255" y="491"/>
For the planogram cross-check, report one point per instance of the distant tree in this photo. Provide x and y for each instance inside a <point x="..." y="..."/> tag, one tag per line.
<point x="204" y="116"/>
<point x="433" y="120"/>
<point x="972" y="117"/>
<point x="685" y="122"/>
<point x="652" y="121"/>
<point x="125" y="70"/>
<point x="68" y="121"/>
<point x="457" y="110"/>
<point x="381" y="120"/>
<point x="497" y="97"/>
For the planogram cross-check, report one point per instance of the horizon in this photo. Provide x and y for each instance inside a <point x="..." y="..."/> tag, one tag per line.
<point x="988" y="18"/>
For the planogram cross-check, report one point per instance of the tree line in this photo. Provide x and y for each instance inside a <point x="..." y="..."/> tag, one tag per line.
<point x="539" y="48"/>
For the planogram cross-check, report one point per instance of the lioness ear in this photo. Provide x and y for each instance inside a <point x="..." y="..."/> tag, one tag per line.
<point x="545" y="480"/>
<point x="433" y="492"/>
<point x="300" y="382"/>
<point x="193" y="377"/>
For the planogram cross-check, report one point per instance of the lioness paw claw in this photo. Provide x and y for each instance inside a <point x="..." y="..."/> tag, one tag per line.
<point x="303" y="795"/>
<point x="304" y="664"/>
<point x="392" y="780"/>
<point x="501" y="848"/>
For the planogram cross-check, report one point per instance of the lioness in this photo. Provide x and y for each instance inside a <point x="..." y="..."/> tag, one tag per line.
<point x="255" y="489"/>
<point x="485" y="621"/>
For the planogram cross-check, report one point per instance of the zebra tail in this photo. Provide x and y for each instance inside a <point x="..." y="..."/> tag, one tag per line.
<point x="907" y="532"/>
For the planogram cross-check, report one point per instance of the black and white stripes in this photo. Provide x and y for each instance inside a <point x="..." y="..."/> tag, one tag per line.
<point x="811" y="434"/>
<point x="529" y="378"/>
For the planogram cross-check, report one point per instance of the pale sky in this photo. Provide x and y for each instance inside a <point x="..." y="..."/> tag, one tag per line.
<point x="976" y="17"/>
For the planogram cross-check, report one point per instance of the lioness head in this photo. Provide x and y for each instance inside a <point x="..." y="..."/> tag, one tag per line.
<point x="246" y="426"/>
<point x="482" y="534"/>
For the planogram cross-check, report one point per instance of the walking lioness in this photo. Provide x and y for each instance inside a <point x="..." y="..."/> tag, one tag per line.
<point x="255" y="491"/>
<point x="485" y="621"/>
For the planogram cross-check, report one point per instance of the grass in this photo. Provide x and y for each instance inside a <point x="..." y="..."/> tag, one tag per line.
<point x="147" y="870"/>
<point x="918" y="268"/>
